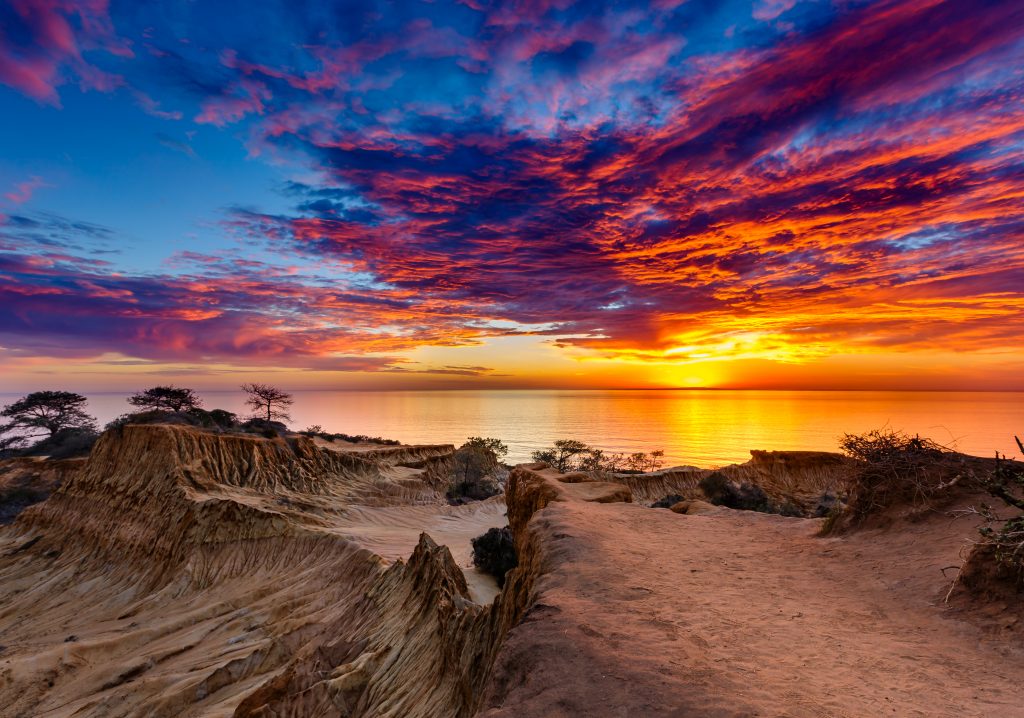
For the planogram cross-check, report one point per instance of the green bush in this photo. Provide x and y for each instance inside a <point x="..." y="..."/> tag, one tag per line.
<point x="317" y="431"/>
<point x="474" y="466"/>
<point x="65" y="444"/>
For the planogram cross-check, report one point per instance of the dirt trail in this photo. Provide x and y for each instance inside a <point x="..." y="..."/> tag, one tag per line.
<point x="651" y="613"/>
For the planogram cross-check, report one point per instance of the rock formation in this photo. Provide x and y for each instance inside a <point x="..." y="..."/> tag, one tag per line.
<point x="182" y="573"/>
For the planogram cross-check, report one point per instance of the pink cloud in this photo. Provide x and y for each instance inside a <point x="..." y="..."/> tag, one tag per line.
<point x="23" y="191"/>
<point x="770" y="9"/>
<point x="55" y="45"/>
<point x="245" y="96"/>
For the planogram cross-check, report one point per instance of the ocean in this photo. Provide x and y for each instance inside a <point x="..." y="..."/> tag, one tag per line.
<point x="698" y="427"/>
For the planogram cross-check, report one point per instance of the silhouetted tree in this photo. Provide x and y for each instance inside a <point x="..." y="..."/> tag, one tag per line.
<point x="572" y="455"/>
<point x="656" y="459"/>
<point x="166" y="398"/>
<point x="269" y="402"/>
<point x="496" y="446"/>
<point x="562" y="455"/>
<point x="637" y="461"/>
<point x="42" y="415"/>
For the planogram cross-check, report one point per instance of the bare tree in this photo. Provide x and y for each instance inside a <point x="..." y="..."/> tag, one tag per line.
<point x="269" y="402"/>
<point x="166" y="398"/>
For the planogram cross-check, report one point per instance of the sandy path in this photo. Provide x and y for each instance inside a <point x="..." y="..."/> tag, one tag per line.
<point x="649" y="613"/>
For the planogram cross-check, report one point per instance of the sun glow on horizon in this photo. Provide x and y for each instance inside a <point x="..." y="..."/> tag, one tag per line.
<point x="637" y="195"/>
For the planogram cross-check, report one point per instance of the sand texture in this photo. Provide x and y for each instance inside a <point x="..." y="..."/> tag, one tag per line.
<point x="182" y="573"/>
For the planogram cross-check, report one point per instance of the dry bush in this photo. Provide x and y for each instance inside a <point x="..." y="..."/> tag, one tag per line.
<point x="1002" y="536"/>
<point x="495" y="553"/>
<point x="896" y="469"/>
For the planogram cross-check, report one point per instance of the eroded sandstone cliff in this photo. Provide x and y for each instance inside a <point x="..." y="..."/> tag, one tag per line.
<point x="185" y="573"/>
<point x="180" y="573"/>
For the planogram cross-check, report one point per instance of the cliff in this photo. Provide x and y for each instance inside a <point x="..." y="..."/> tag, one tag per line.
<point x="798" y="477"/>
<point x="179" y="572"/>
<point x="182" y="573"/>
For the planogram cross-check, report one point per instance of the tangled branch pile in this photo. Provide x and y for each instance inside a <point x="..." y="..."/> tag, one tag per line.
<point x="898" y="469"/>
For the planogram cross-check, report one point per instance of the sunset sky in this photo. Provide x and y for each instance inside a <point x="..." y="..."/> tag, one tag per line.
<point x="783" y="194"/>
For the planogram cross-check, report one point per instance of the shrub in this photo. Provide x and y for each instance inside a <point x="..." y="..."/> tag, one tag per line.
<point x="495" y="553"/>
<point x="570" y="455"/>
<point x="829" y="504"/>
<point x="214" y="419"/>
<point x="897" y="468"/>
<point x="714" y="484"/>
<point x="65" y="444"/>
<point x="667" y="502"/>
<point x="317" y="431"/>
<point x="720" y="490"/>
<point x="473" y="467"/>
<point x="788" y="508"/>
<point x="219" y="417"/>
<point x="464" y="491"/>
<point x="1002" y="537"/>
<point x="267" y="429"/>
<point x="15" y="499"/>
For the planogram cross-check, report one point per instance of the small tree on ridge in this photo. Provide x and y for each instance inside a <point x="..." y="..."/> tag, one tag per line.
<point x="562" y="456"/>
<point x="166" y="398"/>
<point x="268" y="402"/>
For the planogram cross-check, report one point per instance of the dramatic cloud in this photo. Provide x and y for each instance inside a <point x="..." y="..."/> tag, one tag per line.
<point x="42" y="44"/>
<point x="779" y="180"/>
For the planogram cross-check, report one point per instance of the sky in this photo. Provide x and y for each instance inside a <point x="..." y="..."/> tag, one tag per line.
<point x="792" y="194"/>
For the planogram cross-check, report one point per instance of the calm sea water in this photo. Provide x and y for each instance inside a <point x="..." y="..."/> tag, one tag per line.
<point x="704" y="428"/>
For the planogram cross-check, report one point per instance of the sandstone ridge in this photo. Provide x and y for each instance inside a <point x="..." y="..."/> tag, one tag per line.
<point x="183" y="573"/>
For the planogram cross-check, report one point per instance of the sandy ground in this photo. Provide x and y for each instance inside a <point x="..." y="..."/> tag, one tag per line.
<point x="651" y="613"/>
<point x="392" y="533"/>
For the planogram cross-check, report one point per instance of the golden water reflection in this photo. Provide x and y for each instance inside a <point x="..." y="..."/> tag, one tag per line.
<point x="700" y="427"/>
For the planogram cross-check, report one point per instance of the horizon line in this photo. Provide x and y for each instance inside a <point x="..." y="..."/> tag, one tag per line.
<point x="577" y="389"/>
